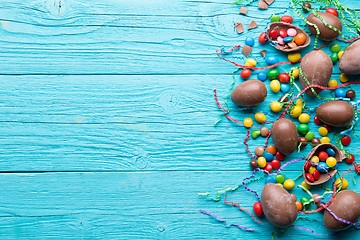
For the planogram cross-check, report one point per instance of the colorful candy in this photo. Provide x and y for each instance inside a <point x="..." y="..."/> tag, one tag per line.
<point x="275" y="86"/>
<point x="300" y="39"/>
<point x="287" y="19"/>
<point x="245" y="73"/>
<point x="249" y="41"/>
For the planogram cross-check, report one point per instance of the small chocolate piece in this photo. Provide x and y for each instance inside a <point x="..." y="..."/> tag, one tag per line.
<point x="254" y="164"/>
<point x="239" y="27"/>
<point x="302" y="141"/>
<point x="308" y="5"/>
<point x="252" y="25"/>
<point x="264" y="131"/>
<point x="263" y="5"/>
<point x="263" y="53"/>
<point x="269" y="2"/>
<point x="243" y="10"/>
<point x="246" y="50"/>
<point x="315" y="141"/>
<point x="292" y="45"/>
<point x="350" y="94"/>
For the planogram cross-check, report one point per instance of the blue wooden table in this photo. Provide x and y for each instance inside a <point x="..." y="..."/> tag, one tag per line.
<point x="107" y="120"/>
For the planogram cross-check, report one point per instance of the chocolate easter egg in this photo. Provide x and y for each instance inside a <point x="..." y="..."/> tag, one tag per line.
<point x="284" y="135"/>
<point x="316" y="67"/>
<point x="326" y="33"/>
<point x="346" y="205"/>
<point x="335" y="113"/>
<point x="249" y="93"/>
<point x="349" y="61"/>
<point x="278" y="205"/>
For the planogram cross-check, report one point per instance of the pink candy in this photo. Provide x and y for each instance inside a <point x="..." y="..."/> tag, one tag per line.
<point x="291" y="32"/>
<point x="280" y="40"/>
<point x="316" y="199"/>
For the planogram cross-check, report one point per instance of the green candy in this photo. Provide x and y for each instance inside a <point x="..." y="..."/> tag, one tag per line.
<point x="255" y="133"/>
<point x="280" y="178"/>
<point x="309" y="136"/>
<point x="303" y="128"/>
<point x="305" y="201"/>
<point x="273" y="73"/>
<point x="335" y="48"/>
<point x="334" y="57"/>
<point x="275" y="18"/>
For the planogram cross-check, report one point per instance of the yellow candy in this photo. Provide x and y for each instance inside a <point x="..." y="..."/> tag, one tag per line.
<point x="260" y="117"/>
<point x="331" y="161"/>
<point x="261" y="162"/>
<point x="294" y="57"/>
<point x="275" y="106"/>
<point x="275" y="85"/>
<point x="340" y="54"/>
<point x="299" y="102"/>
<point x="295" y="111"/>
<point x="305" y="185"/>
<point x="323" y="131"/>
<point x="295" y="72"/>
<point x="289" y="184"/>
<point x="344" y="185"/>
<point x="315" y="159"/>
<point x="248" y="122"/>
<point x="251" y="62"/>
<point x="344" y="78"/>
<point x="312" y="169"/>
<point x="304" y="118"/>
<point x="332" y="83"/>
<point x="280" y="185"/>
<point x="247" y="64"/>
<point x="325" y="140"/>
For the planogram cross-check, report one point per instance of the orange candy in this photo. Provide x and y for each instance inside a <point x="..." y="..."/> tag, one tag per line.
<point x="299" y="205"/>
<point x="300" y="39"/>
<point x="271" y="149"/>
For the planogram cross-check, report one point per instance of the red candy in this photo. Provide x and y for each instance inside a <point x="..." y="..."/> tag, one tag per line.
<point x="245" y="74"/>
<point x="273" y="34"/>
<point x="323" y="156"/>
<point x="346" y="140"/>
<point x="283" y="33"/>
<point x="262" y="38"/>
<point x="287" y="19"/>
<point x="332" y="11"/>
<point x="350" y="160"/>
<point x="257" y="207"/>
<point x="284" y="77"/>
<point x="310" y="177"/>
<point x="316" y="174"/>
<point x="307" y="166"/>
<point x="275" y="164"/>
<point x="280" y="156"/>
<point x="317" y="121"/>
<point x="268" y="167"/>
<point x="328" y="127"/>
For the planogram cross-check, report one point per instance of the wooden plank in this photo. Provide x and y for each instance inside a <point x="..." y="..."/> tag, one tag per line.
<point x="129" y="205"/>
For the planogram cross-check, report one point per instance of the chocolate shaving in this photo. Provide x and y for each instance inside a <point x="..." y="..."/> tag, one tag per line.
<point x="243" y="10"/>
<point x="252" y="25"/>
<point x="239" y="27"/>
<point x="246" y="50"/>
<point x="263" y="53"/>
<point x="263" y="5"/>
<point x="269" y="1"/>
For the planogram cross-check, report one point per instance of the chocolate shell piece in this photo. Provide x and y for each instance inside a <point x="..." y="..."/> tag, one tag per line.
<point x="249" y="93"/>
<point x="284" y="135"/>
<point x="335" y="113"/>
<point x="278" y="205"/>
<point x="282" y="25"/>
<point x="349" y="61"/>
<point x="345" y="206"/>
<point x="326" y="33"/>
<point x="317" y="68"/>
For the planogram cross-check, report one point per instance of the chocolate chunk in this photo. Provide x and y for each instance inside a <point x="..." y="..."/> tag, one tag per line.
<point x="263" y="5"/>
<point x="243" y="10"/>
<point x="246" y="50"/>
<point x="269" y="1"/>
<point x="252" y="25"/>
<point x="239" y="27"/>
<point x="263" y="53"/>
<point x="291" y="44"/>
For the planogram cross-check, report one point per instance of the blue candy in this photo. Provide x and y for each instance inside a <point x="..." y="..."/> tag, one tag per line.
<point x="270" y="180"/>
<point x="330" y="152"/>
<point x="284" y="87"/>
<point x="323" y="165"/>
<point x="340" y="92"/>
<point x="271" y="60"/>
<point x="249" y="41"/>
<point x="268" y="156"/>
<point x="288" y="39"/>
<point x="262" y="76"/>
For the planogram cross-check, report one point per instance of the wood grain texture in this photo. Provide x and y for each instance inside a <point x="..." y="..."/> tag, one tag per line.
<point x="107" y="113"/>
